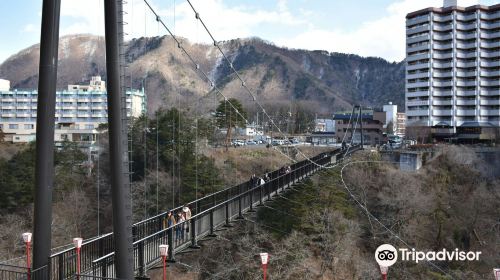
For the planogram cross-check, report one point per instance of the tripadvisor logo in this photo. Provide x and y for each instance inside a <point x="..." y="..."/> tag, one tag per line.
<point x="386" y="255"/>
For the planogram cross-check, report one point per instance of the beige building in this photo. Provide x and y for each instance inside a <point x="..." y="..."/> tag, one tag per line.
<point x="401" y="124"/>
<point x="79" y="112"/>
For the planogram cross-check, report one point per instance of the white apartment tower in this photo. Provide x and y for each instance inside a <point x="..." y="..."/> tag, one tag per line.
<point x="453" y="68"/>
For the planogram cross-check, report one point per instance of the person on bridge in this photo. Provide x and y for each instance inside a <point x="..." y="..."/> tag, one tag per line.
<point x="253" y="181"/>
<point x="187" y="216"/>
<point x="179" y="231"/>
<point x="262" y="181"/>
<point x="169" y="220"/>
<point x="266" y="178"/>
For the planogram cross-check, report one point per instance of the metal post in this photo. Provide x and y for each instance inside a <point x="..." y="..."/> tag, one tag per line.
<point x="44" y="166"/>
<point x="240" y="214"/>
<point x="194" y="243"/>
<point x="141" y="260"/>
<point x="361" y="125"/>
<point x="171" y="255"/>
<point x="122" y="211"/>
<point x="212" y="227"/>
<point x="352" y="125"/>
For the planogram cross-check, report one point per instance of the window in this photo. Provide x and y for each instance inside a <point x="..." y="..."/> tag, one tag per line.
<point x="29" y="126"/>
<point x="89" y="126"/>
<point x="13" y="126"/>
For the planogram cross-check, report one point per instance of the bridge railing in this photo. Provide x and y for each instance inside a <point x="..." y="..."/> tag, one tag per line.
<point x="208" y="213"/>
<point x="205" y="222"/>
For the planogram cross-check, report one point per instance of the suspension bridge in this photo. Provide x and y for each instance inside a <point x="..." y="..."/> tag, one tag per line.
<point x="131" y="249"/>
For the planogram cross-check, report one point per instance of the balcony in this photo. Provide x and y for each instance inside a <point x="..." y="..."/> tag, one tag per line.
<point x="486" y="25"/>
<point x="442" y="55"/>
<point x="416" y="39"/>
<point x="490" y="16"/>
<point x="490" y="112"/>
<point x="490" y="102"/>
<point x="417" y="66"/>
<point x="490" y="92"/>
<point x="490" y="73"/>
<point x="466" y="36"/>
<point x="442" y="113"/>
<point x="23" y="99"/>
<point x="442" y="18"/>
<point x="417" y="48"/>
<point x="466" y="64"/>
<point x="487" y="35"/>
<point x="463" y="113"/>
<point x="461" y="26"/>
<point x="463" y="17"/>
<point x="442" y="93"/>
<point x="442" y="64"/>
<point x="466" y="93"/>
<point x="10" y="107"/>
<point x="415" y="113"/>
<point x="439" y="27"/>
<point x="417" y="103"/>
<point x="490" y="54"/>
<point x="442" y="37"/>
<point x="466" y="102"/>
<point x="415" y="85"/>
<point x="8" y="99"/>
<point x="23" y="115"/>
<point x="466" y="46"/>
<point x="418" y="57"/>
<point x="466" y="54"/>
<point x="442" y="84"/>
<point x="417" y="20"/>
<point x="466" y="83"/>
<point x="466" y="74"/>
<point x="83" y="115"/>
<point x="447" y="74"/>
<point x="68" y="115"/>
<point x="442" y="102"/>
<point x="438" y="46"/>
<point x="490" y="45"/>
<point x="417" y="94"/>
<point x="417" y="75"/>
<point x="490" y="83"/>
<point x="490" y="64"/>
<point x="8" y="115"/>
<point x="419" y="29"/>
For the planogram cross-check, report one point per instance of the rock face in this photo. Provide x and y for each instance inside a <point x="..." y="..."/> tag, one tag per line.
<point x="276" y="75"/>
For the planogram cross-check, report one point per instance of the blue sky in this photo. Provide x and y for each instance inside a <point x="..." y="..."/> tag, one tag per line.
<point x="364" y="27"/>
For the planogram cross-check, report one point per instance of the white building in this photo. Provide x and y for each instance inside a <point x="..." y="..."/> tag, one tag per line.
<point x="251" y="130"/>
<point x="324" y="125"/>
<point x="79" y="112"/>
<point x="453" y="68"/>
<point x="391" y="116"/>
<point x="4" y="85"/>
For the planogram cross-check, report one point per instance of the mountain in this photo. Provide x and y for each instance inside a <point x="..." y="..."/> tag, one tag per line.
<point x="325" y="81"/>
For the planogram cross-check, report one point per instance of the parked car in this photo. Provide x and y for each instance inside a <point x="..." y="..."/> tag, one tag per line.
<point x="239" y="143"/>
<point x="251" y="142"/>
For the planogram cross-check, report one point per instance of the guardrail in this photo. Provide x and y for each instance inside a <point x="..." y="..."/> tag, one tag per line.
<point x="206" y="221"/>
<point x="209" y="212"/>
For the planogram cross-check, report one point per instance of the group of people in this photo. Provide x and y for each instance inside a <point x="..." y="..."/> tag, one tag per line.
<point x="258" y="181"/>
<point x="180" y="219"/>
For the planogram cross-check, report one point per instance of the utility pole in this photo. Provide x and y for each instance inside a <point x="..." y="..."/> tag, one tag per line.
<point x="352" y="124"/>
<point x="44" y="166"/>
<point x="118" y="141"/>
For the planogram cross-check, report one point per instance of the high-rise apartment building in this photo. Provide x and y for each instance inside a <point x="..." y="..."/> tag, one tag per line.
<point x="453" y="70"/>
<point x="79" y="111"/>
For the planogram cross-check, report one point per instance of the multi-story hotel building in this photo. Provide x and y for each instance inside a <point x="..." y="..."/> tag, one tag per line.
<point x="373" y="127"/>
<point x="79" y="111"/>
<point x="453" y="70"/>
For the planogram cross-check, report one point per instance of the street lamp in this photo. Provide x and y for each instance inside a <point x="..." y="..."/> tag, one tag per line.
<point x="77" y="242"/>
<point x="383" y="271"/>
<point x="264" y="257"/>
<point x="164" y="254"/>
<point x="27" y="241"/>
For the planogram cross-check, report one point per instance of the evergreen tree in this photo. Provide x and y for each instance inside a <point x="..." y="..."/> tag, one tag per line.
<point x="230" y="114"/>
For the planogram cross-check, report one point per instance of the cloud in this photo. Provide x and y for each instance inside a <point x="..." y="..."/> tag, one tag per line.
<point x="29" y="28"/>
<point x="384" y="37"/>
